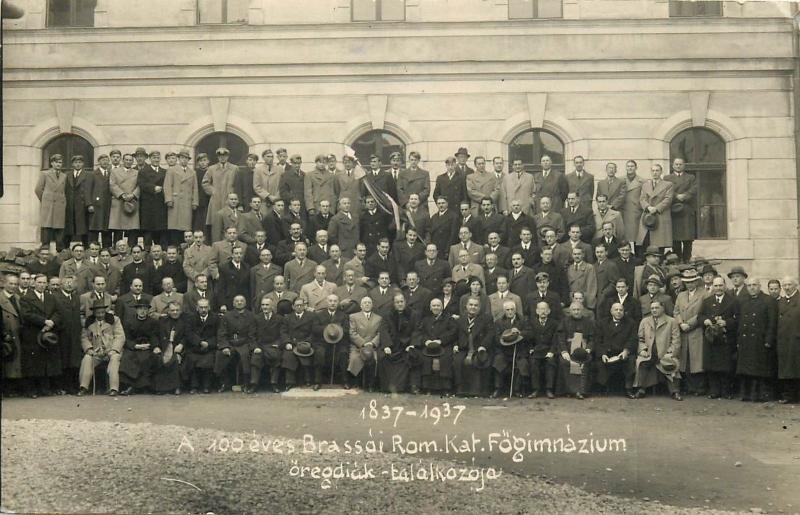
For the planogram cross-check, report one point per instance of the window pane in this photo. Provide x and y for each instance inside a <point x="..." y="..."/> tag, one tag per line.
<point x="393" y="10"/>
<point x="58" y="13"/>
<point x="380" y="143"/>
<point x="210" y="11"/>
<point x="84" y="15"/>
<point x="531" y="145"/>
<point x="364" y="10"/>
<point x="68" y="145"/>
<point x="520" y="9"/>
<point x="237" y="11"/>
<point x="711" y="213"/>
<point x="549" y="9"/>
<point x="235" y="145"/>
<point x="682" y="8"/>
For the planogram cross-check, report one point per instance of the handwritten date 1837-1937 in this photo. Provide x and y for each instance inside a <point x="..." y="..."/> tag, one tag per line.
<point x="435" y="414"/>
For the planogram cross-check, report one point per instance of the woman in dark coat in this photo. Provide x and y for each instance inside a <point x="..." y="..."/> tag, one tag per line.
<point x="401" y="330"/>
<point x="758" y="319"/>
<point x="450" y="303"/>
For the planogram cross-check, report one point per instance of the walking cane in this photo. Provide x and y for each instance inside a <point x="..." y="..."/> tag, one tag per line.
<point x="513" y="366"/>
<point x="333" y="360"/>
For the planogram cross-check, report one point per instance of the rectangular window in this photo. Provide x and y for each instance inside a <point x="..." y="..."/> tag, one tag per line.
<point x="532" y="9"/>
<point x="686" y="9"/>
<point x="712" y="220"/>
<point x="378" y="10"/>
<point x="70" y="13"/>
<point x="222" y="11"/>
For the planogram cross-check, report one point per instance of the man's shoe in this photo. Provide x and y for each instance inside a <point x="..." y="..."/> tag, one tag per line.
<point x="347" y="386"/>
<point x="534" y="394"/>
<point x="83" y="391"/>
<point x="550" y="395"/>
<point x="640" y="394"/>
<point x="713" y="396"/>
<point x="414" y="390"/>
<point x="315" y="387"/>
<point x="275" y="389"/>
<point x="206" y="390"/>
<point x="193" y="391"/>
<point x="677" y="396"/>
<point x="495" y="394"/>
<point x="177" y="391"/>
<point x="579" y="396"/>
<point x="629" y="394"/>
<point x="783" y="400"/>
<point x="112" y="393"/>
<point x="288" y="387"/>
<point x="223" y="388"/>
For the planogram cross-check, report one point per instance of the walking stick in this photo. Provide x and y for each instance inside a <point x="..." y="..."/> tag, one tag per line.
<point x="513" y="366"/>
<point x="333" y="360"/>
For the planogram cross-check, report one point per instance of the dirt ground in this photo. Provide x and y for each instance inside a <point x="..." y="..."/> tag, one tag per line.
<point x="702" y="454"/>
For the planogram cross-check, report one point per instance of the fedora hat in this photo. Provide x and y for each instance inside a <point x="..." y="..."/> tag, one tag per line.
<point x="184" y="153"/>
<point x="462" y="151"/>
<point x="543" y="230"/>
<point x="284" y="307"/>
<point x="303" y="349"/>
<point x="9" y="350"/>
<point x="478" y="359"/>
<point x="47" y="339"/>
<point x="349" y="306"/>
<point x="690" y="275"/>
<point x="668" y="363"/>
<point x="99" y="304"/>
<point x="652" y="250"/>
<point x="333" y="333"/>
<point x="655" y="280"/>
<point x="510" y="337"/>
<point x="367" y="352"/>
<point x="222" y="150"/>
<point x="129" y="206"/>
<point x="650" y="221"/>
<point x="140" y="151"/>
<point x="579" y="355"/>
<point x="737" y="270"/>
<point x="433" y="350"/>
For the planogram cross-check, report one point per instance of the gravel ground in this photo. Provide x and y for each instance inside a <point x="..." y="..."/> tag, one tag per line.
<point x="104" y="467"/>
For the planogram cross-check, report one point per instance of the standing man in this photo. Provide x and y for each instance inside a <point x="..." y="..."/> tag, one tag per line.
<point x="518" y="186"/>
<point x="414" y="180"/>
<point x="581" y="182"/>
<point x="580" y="215"/>
<point x="719" y="315"/>
<point x="461" y="166"/>
<point x="687" y="307"/>
<point x="68" y="306"/>
<point x="50" y="189"/>
<point x="201" y="213"/>
<point x="789" y="341"/>
<point x="348" y="184"/>
<point x="631" y="206"/>
<point x="613" y="188"/>
<point x="153" y="211"/>
<point x="755" y="342"/>
<point x="218" y="183"/>
<point x="365" y="339"/>
<point x="292" y="183"/>
<point x="343" y="229"/>
<point x="684" y="209"/>
<point x="606" y="214"/>
<point x="319" y="186"/>
<point x="78" y="191"/>
<point x="655" y="225"/>
<point x="451" y="185"/>
<point x="551" y="183"/>
<point x="481" y="185"/>
<point x="101" y="198"/>
<point x="444" y="228"/>
<point x="243" y="181"/>
<point x="659" y="350"/>
<point x="181" y="196"/>
<point x="266" y="179"/>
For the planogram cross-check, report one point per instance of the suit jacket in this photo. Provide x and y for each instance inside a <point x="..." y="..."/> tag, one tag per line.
<point x="221" y="252"/>
<point x="363" y="330"/>
<point x="292" y="186"/>
<point x="480" y="186"/>
<point x="356" y="294"/>
<point x="405" y="258"/>
<point x="491" y="278"/>
<point x="530" y="257"/>
<point x="418" y="301"/>
<point x="584" y="279"/>
<point x="247" y="225"/>
<point x="334" y="272"/>
<point x="383" y="181"/>
<point x="520" y="187"/>
<point x="344" y="232"/>
<point x="383" y="303"/>
<point x="444" y="231"/>
<point x="78" y="194"/>
<point x="684" y="223"/>
<point x="552" y="299"/>
<point x="615" y="217"/>
<point x="503" y="254"/>
<point x="432" y="276"/>
<point x="374" y="265"/>
<point x="632" y="307"/>
<point x="262" y="278"/>
<point x="421" y="222"/>
<point x="584" y="187"/>
<point x="124" y="307"/>
<point x="298" y="274"/>
<point x="142" y="270"/>
<point x="473" y="270"/>
<point x="496" y="304"/>
<point x="317" y="253"/>
<point x="476" y="253"/>
<point x="607" y="275"/>
<point x="523" y="282"/>
<point x="584" y="217"/>
<point x="316" y="296"/>
<point x="554" y="186"/>
<point x="296" y="329"/>
<point x="322" y="318"/>
<point x="266" y="183"/>
<point x="612" y="247"/>
<point x="160" y="303"/>
<point x="478" y="334"/>
<point x="614" y="190"/>
<point x="275" y="227"/>
<point x="562" y="254"/>
<point x="612" y="338"/>
<point x="197" y="260"/>
<point x="413" y="181"/>
<point x="191" y="297"/>
<point x="318" y="222"/>
<point x="516" y="225"/>
<point x="232" y="282"/>
<point x="645" y="301"/>
<point x="87" y="302"/>
<point x="454" y="190"/>
<point x="319" y="186"/>
<point x="83" y="275"/>
<point x="495" y="222"/>
<point x="350" y="186"/>
<point x="275" y="297"/>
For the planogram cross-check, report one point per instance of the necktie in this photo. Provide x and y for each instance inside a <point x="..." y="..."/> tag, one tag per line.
<point x="202" y="295"/>
<point x="654" y="184"/>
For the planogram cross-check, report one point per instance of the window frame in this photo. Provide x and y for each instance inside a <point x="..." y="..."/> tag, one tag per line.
<point x="378" y="13"/>
<point x="69" y="151"/>
<point x="697" y="170"/>
<point x="73" y="15"/>
<point x="533" y="168"/>
<point x="385" y="164"/>
<point x="672" y="3"/>
<point x="535" y="16"/>
<point x="224" y="7"/>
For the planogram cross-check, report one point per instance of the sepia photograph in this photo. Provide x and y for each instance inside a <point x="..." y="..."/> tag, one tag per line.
<point x="400" y="256"/>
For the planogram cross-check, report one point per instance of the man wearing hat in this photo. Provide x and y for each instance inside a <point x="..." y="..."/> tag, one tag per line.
<point x="414" y="180"/>
<point x="101" y="198"/>
<point x="658" y="355"/>
<point x="719" y="317"/>
<point x="737" y="275"/>
<point x="50" y="189"/>
<point x="655" y="226"/>
<point x="683" y="208"/>
<point x="142" y="352"/>
<point x="153" y="208"/>
<point x="462" y="167"/>
<point x="472" y="352"/>
<point x="102" y="340"/>
<point x="438" y="335"/>
<point x="513" y="335"/>
<point x="125" y="193"/>
<point x="319" y="185"/>
<point x="218" y="183"/>
<point x="39" y="315"/>
<point x="243" y="181"/>
<point x="330" y="337"/>
<point x="181" y="196"/>
<point x="451" y="184"/>
<point x="654" y="291"/>
<point x="652" y="266"/>
<point x="266" y="180"/>
<point x="78" y="192"/>
<point x="687" y="308"/>
<point x="365" y="339"/>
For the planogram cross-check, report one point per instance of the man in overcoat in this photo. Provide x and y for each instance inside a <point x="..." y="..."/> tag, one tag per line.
<point x="789" y="340"/>
<point x="693" y="347"/>
<point x="755" y="342"/>
<point x="182" y="197"/>
<point x="101" y="198"/>
<point x="684" y="209"/>
<point x="50" y="189"/>
<point x="656" y="199"/>
<point x="78" y="192"/>
<point x="68" y="306"/>
<point x="658" y="352"/>
<point x="719" y="316"/>
<point x="125" y="193"/>
<point x="218" y="183"/>
<point x="235" y="344"/>
<point x="39" y="315"/>
<point x="330" y="356"/>
<point x="153" y="209"/>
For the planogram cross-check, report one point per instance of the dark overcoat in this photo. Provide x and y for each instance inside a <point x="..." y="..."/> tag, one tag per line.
<point x="79" y="197"/>
<point x="69" y="331"/>
<point x="152" y="209"/>
<point x="758" y="319"/>
<point x="789" y="337"/>
<point x="684" y="222"/>
<point x="101" y="200"/>
<point x="721" y="349"/>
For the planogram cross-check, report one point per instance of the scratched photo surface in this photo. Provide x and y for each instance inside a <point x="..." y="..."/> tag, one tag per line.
<point x="400" y="256"/>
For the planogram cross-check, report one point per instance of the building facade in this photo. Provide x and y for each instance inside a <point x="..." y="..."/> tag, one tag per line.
<point x="610" y="80"/>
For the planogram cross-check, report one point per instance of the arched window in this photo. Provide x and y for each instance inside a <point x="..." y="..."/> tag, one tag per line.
<point x="235" y="145"/>
<point x="381" y="143"/>
<point x="68" y="145"/>
<point x="531" y="145"/>
<point x="704" y="153"/>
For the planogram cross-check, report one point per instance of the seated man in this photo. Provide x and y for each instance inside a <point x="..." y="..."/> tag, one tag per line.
<point x="399" y="352"/>
<point x="202" y="344"/>
<point x="329" y="354"/>
<point x="268" y="351"/>
<point x="173" y="332"/>
<point x="546" y="340"/>
<point x="659" y="352"/>
<point x="512" y="337"/>
<point x="471" y="354"/>
<point x="576" y="352"/>
<point x="102" y="340"/>
<point x="365" y="338"/>
<point x="615" y="346"/>
<point x="142" y="350"/>
<point x="296" y="329"/>
<point x="438" y="334"/>
<point x="235" y="343"/>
